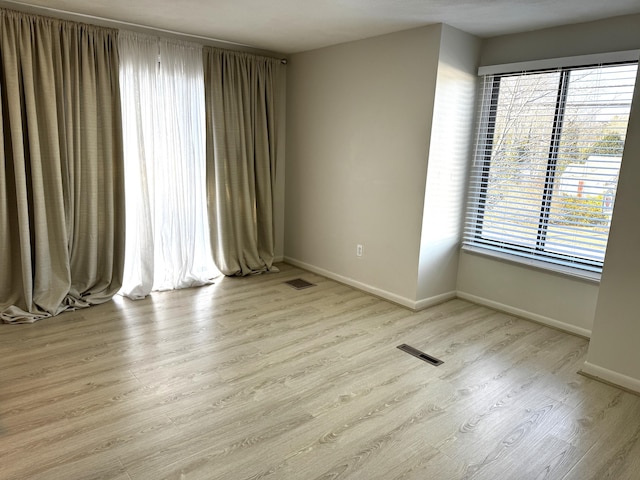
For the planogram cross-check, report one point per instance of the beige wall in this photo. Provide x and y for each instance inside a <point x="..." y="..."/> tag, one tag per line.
<point x="364" y="165"/>
<point x="358" y="123"/>
<point x="556" y="299"/>
<point x="611" y="35"/>
<point x="539" y="295"/>
<point x="450" y="149"/>
<point x="614" y="350"/>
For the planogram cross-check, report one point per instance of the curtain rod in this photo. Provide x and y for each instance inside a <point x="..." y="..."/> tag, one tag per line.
<point x="122" y="23"/>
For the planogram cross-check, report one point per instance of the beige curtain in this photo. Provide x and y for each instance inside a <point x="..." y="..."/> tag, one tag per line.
<point x="240" y="96"/>
<point x="61" y="179"/>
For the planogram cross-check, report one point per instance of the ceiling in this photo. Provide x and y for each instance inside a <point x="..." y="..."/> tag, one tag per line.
<point x="289" y="26"/>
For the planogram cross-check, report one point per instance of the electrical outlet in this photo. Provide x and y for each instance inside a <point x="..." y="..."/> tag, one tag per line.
<point x="359" y="250"/>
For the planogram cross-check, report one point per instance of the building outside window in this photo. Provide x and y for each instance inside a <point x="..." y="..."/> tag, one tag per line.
<point x="548" y="155"/>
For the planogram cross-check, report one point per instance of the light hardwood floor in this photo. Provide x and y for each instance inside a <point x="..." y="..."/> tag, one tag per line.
<point x="250" y="379"/>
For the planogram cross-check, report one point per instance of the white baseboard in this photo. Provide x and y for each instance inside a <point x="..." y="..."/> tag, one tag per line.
<point x="438" y="299"/>
<point x="551" y="322"/>
<point x="588" y="369"/>
<point x="609" y="376"/>
<point x="429" y="302"/>
<point x="392" y="297"/>
<point x="278" y="259"/>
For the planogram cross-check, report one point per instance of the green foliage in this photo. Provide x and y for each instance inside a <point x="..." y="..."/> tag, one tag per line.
<point x="571" y="210"/>
<point x="610" y="144"/>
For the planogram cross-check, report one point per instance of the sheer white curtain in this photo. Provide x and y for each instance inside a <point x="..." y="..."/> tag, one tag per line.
<point x="167" y="231"/>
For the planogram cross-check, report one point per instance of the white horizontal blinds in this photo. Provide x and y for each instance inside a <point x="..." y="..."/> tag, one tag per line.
<point x="548" y="154"/>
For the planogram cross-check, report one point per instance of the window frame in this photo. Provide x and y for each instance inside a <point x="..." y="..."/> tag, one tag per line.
<point x="536" y="256"/>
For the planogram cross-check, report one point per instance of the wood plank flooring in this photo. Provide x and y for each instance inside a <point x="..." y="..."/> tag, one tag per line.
<point x="251" y="379"/>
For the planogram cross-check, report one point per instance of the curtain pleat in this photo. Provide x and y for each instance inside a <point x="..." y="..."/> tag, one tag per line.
<point x="240" y="96"/>
<point x="61" y="174"/>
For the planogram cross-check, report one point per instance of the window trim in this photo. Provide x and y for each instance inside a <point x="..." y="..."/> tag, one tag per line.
<point x="623" y="56"/>
<point x="573" y="266"/>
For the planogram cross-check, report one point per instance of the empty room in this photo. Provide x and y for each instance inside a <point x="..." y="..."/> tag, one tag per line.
<point x="319" y="240"/>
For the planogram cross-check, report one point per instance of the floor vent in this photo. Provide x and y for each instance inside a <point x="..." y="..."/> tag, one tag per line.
<point x="421" y="355"/>
<point x="299" y="284"/>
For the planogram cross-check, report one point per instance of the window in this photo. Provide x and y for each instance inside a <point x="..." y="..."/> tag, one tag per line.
<point x="547" y="160"/>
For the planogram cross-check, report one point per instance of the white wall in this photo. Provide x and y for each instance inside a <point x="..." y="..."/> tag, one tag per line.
<point x="558" y="300"/>
<point x="358" y="123"/>
<point x="449" y="153"/>
<point x="539" y="295"/>
<point x="611" y="35"/>
<point x="614" y="350"/>
<point x="379" y="139"/>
